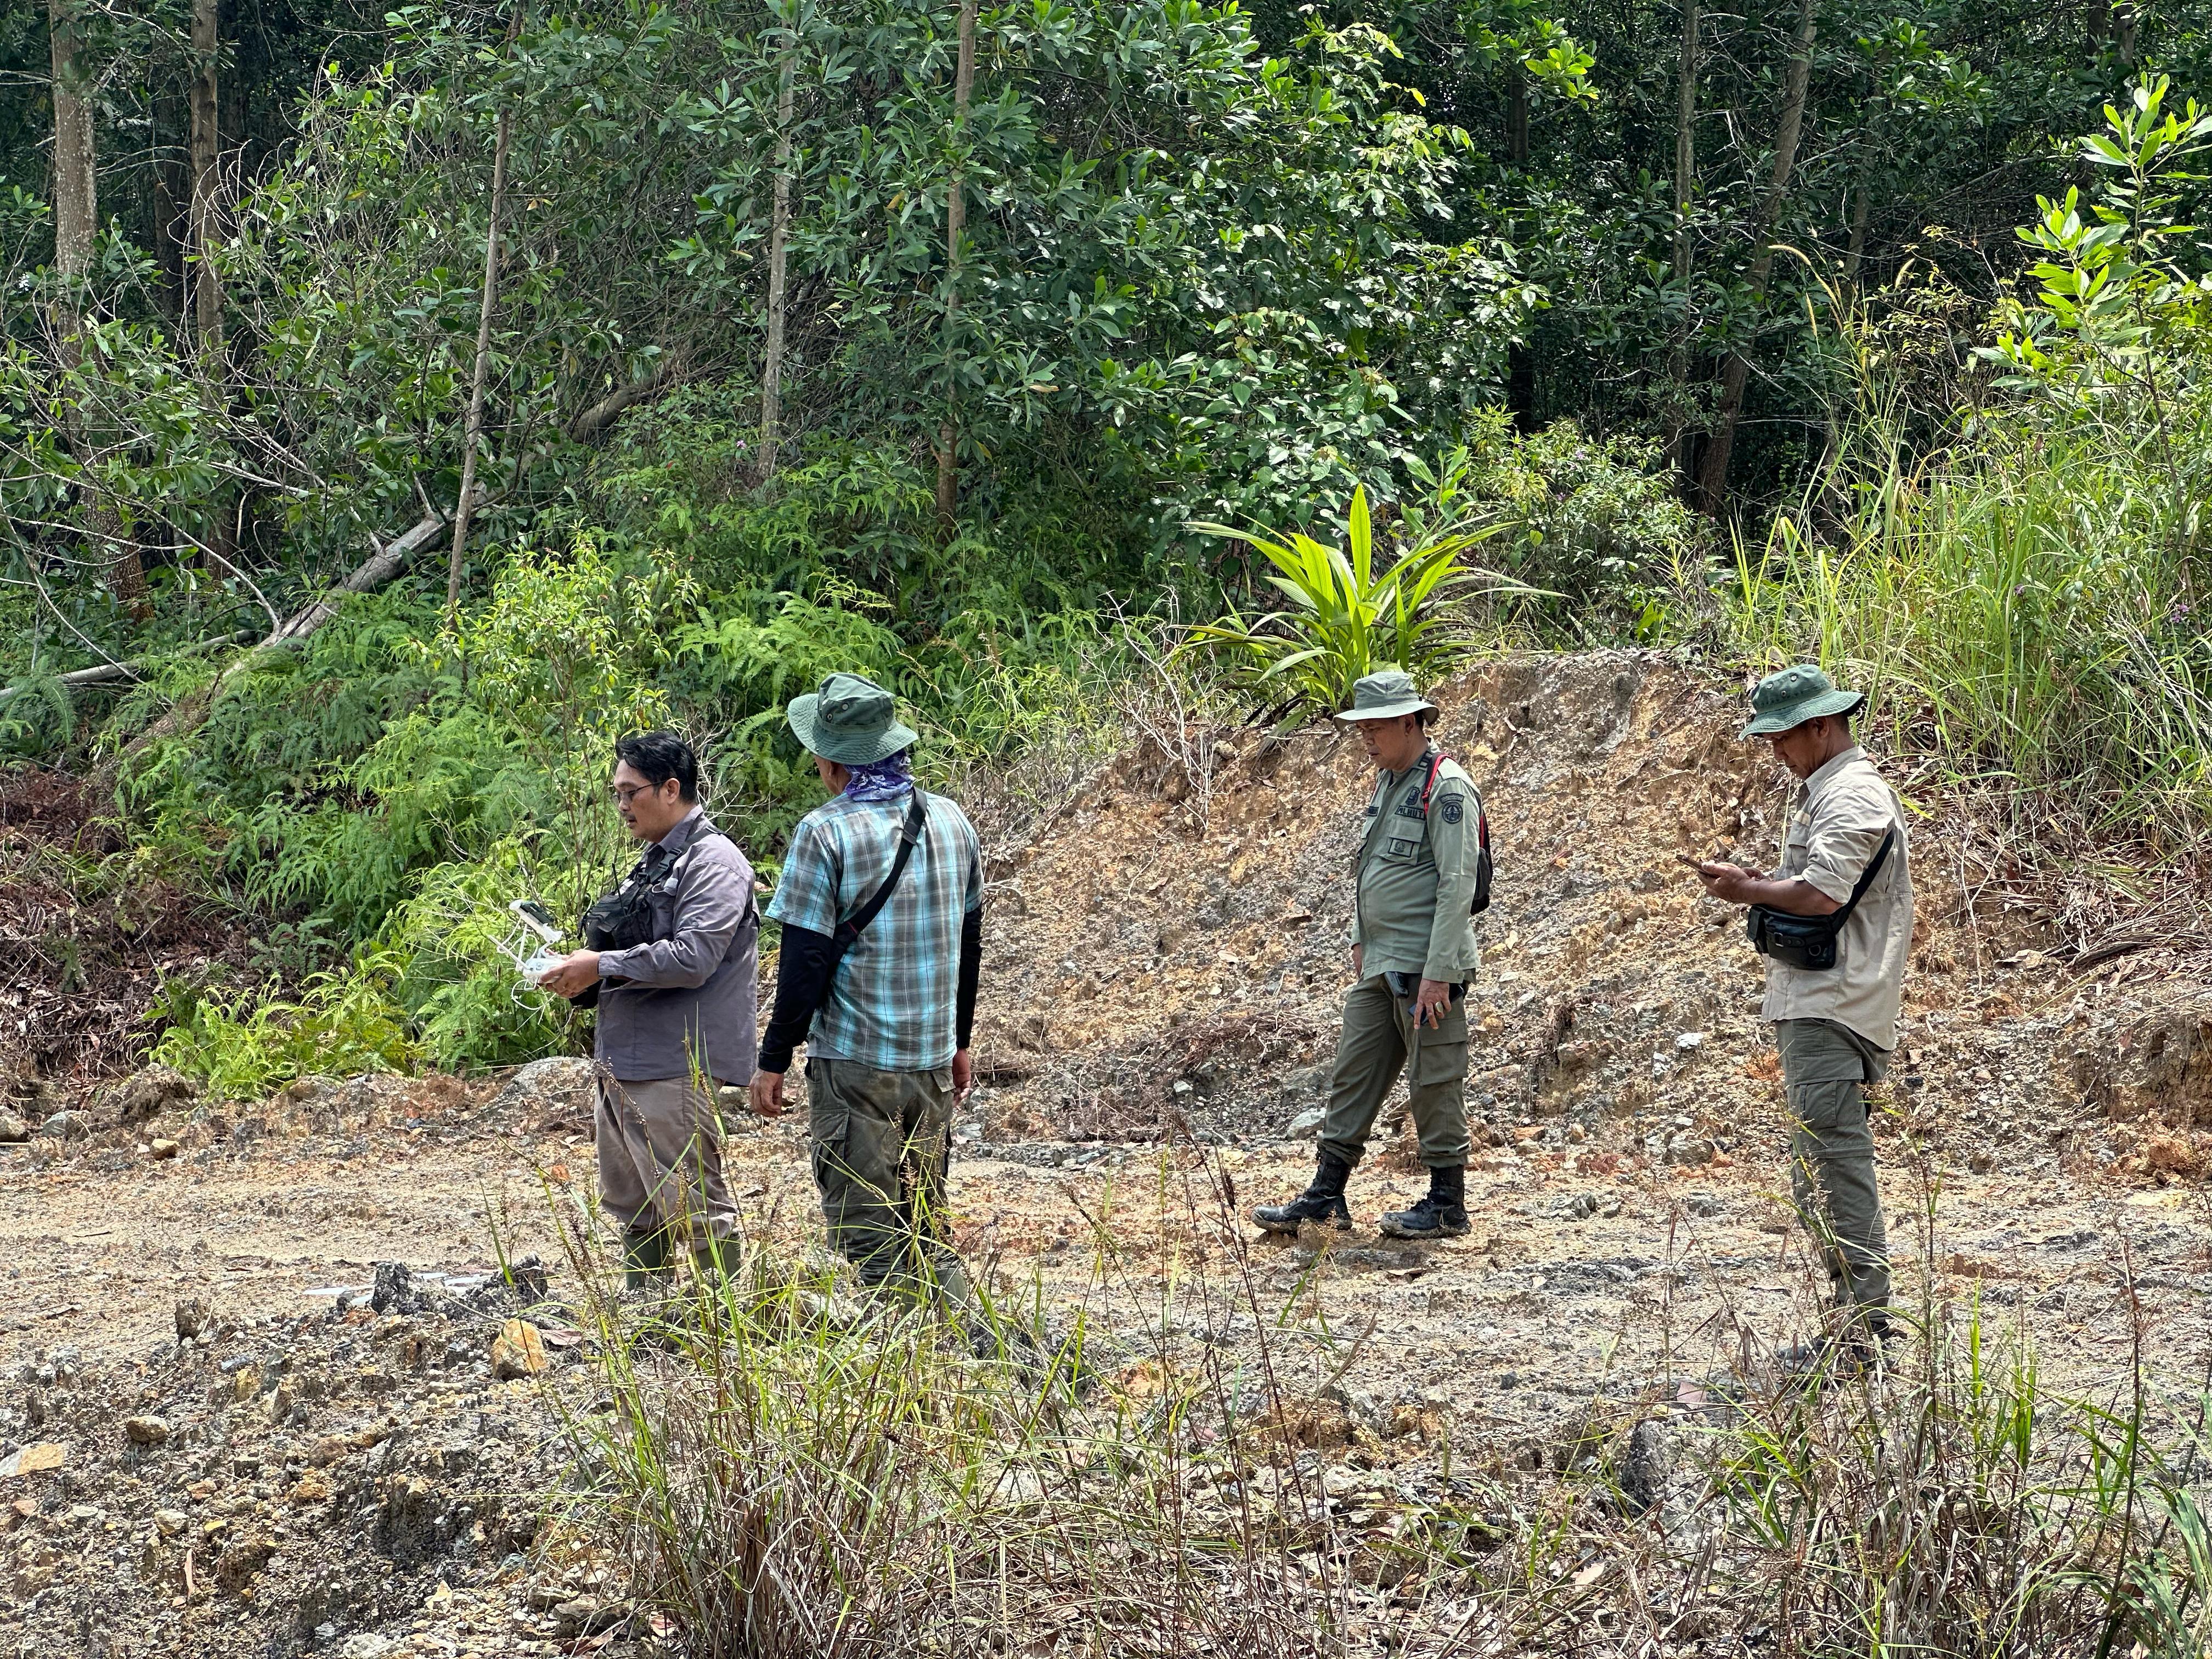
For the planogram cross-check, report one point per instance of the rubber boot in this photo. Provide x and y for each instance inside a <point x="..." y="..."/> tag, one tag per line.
<point x="645" y="1260"/>
<point x="1323" y="1203"/>
<point x="1441" y="1212"/>
<point x="714" y="1260"/>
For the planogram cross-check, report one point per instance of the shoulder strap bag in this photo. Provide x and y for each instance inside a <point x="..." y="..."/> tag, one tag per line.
<point x="849" y="930"/>
<point x="1809" y="942"/>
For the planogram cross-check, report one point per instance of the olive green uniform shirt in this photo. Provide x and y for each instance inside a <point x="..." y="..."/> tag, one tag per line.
<point x="1836" y="820"/>
<point x="1416" y="876"/>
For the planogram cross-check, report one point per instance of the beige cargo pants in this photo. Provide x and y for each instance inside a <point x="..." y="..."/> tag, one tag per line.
<point x="1826" y="1069"/>
<point x="883" y="1149"/>
<point x="660" y="1158"/>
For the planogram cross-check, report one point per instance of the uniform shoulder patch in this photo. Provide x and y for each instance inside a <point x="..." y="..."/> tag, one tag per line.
<point x="1451" y="809"/>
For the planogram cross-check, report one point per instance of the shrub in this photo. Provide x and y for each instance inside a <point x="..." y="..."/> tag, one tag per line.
<point x="1346" y="620"/>
<point x="242" y="1045"/>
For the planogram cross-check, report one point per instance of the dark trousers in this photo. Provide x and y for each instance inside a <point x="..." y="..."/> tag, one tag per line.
<point x="883" y="1149"/>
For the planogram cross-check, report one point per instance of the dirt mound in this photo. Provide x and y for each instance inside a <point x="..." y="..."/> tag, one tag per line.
<point x="1174" y="949"/>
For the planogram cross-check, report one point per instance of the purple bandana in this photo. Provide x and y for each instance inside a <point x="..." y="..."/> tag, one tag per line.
<point x="884" y="780"/>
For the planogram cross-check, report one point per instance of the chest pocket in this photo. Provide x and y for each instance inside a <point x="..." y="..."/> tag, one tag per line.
<point x="1405" y="836"/>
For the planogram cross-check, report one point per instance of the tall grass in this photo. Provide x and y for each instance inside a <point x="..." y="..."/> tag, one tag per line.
<point x="776" y="1470"/>
<point x="2027" y="608"/>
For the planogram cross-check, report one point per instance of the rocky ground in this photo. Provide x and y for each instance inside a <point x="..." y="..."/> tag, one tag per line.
<point x="224" y="1435"/>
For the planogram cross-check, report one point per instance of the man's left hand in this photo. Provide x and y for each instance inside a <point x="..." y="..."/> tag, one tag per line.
<point x="1432" y="1002"/>
<point x="964" y="1074"/>
<point x="577" y="972"/>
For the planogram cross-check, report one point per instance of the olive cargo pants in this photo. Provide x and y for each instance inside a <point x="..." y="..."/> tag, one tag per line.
<point x="1826" y="1069"/>
<point x="1378" y="1039"/>
<point x="659" y="1146"/>
<point x="883" y="1148"/>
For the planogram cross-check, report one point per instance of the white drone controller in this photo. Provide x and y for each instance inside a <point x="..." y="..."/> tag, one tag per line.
<point x="533" y="944"/>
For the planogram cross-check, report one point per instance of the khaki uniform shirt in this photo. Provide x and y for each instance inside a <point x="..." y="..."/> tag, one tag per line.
<point x="1415" y="875"/>
<point x="1837" y="819"/>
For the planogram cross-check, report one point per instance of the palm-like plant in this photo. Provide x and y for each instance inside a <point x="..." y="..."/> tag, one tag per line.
<point x="1345" y="620"/>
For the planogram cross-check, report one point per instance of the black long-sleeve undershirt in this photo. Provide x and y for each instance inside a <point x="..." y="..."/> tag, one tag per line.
<point x="806" y="961"/>
<point x="971" y="976"/>
<point x="804" y="964"/>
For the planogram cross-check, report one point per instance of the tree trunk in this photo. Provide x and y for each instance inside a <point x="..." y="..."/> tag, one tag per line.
<point x="473" y="430"/>
<point x="1516" y="113"/>
<point x="173" y="195"/>
<point x="2099" y="22"/>
<point x="956" y="221"/>
<point x="1735" y="372"/>
<point x="1861" y="191"/>
<point x="76" y="216"/>
<point x="779" y="232"/>
<point x="1685" y="138"/>
<point x="74" y="192"/>
<point x="1685" y="184"/>
<point x="2126" y="16"/>
<point x="387" y="561"/>
<point x="206" y="163"/>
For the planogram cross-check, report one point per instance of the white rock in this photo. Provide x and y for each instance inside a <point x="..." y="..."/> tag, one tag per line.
<point x="1307" y="1124"/>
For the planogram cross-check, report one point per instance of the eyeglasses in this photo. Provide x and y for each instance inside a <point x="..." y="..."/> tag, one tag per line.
<point x="622" y="796"/>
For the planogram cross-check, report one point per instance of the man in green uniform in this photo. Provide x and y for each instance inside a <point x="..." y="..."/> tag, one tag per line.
<point x="1412" y="955"/>
<point x="1843" y="862"/>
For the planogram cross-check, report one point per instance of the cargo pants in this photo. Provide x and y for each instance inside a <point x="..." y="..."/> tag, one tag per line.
<point x="883" y="1149"/>
<point x="1379" y="1042"/>
<point x="659" y="1146"/>
<point x="1825" y="1070"/>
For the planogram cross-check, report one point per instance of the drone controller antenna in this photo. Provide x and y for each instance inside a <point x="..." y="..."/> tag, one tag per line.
<point x="534" y="944"/>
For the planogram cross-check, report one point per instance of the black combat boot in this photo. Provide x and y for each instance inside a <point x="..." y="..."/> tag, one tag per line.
<point x="646" y="1264"/>
<point x="1441" y="1213"/>
<point x="1323" y="1203"/>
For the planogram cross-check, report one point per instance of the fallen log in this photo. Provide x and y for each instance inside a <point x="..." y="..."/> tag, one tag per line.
<point x="101" y="673"/>
<point x="187" y="712"/>
<point x="592" y="423"/>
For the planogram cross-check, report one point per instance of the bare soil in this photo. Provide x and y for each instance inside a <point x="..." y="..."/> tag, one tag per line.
<point x="1164" y="967"/>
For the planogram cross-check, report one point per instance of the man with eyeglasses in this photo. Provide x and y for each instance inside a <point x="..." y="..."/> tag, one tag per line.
<point x="676" y="1013"/>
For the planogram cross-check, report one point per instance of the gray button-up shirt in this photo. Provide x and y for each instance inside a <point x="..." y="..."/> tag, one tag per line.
<point x="1837" y="819"/>
<point x="687" y="1002"/>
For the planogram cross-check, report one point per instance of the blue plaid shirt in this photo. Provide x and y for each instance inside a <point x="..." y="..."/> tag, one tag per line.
<point x="891" y="1004"/>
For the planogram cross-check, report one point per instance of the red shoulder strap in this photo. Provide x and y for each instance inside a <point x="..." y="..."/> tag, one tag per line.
<point x="1429" y="785"/>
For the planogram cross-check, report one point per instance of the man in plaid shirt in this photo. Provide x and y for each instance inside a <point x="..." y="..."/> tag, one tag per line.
<point x="886" y="1017"/>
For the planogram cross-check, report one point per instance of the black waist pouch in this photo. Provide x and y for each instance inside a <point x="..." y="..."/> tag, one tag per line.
<point x="1809" y="942"/>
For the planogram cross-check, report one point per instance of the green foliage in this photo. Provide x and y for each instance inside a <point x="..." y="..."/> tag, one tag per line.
<point x="2112" y="300"/>
<point x="241" y="1045"/>
<point x="1346" y="619"/>
<point x="1598" y="528"/>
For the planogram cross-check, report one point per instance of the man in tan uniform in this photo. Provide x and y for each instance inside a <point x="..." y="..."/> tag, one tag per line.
<point x="1844" y="868"/>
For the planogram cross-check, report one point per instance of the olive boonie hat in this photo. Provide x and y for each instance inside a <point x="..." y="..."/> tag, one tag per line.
<point x="1384" y="696"/>
<point x="1790" y="698"/>
<point x="849" y="720"/>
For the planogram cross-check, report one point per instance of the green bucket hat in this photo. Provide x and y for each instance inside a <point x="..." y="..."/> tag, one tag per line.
<point x="849" y="720"/>
<point x="1786" y="700"/>
<point x="1384" y="696"/>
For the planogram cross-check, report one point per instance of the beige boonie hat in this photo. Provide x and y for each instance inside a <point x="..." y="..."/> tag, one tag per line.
<point x="1384" y="696"/>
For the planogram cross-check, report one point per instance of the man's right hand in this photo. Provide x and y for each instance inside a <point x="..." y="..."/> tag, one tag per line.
<point x="765" y="1094"/>
<point x="1358" y="957"/>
